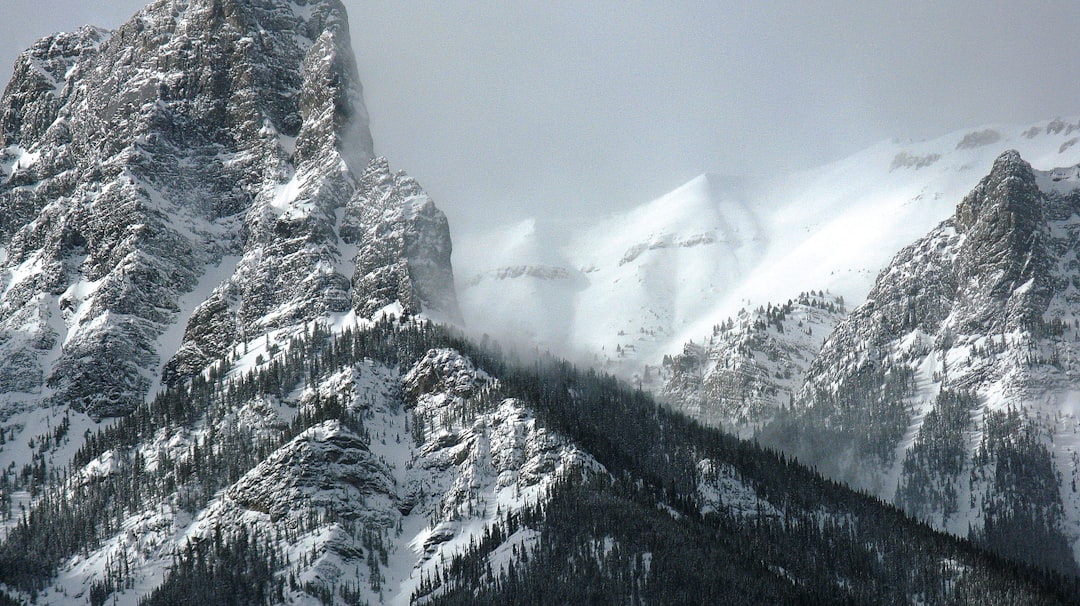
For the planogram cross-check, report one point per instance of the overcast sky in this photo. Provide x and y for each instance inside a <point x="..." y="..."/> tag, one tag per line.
<point x="509" y="109"/>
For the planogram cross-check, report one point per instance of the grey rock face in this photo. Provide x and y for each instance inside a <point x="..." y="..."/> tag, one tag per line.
<point x="147" y="146"/>
<point x="28" y="110"/>
<point x="403" y="245"/>
<point x="443" y="371"/>
<point x="325" y="467"/>
<point x="200" y="132"/>
<point x="288" y="272"/>
<point x="1003" y="224"/>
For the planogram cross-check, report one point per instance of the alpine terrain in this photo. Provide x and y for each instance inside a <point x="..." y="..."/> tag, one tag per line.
<point x="627" y="289"/>
<point x="951" y="390"/>
<point x="890" y="405"/>
<point x="232" y="369"/>
<point x="751" y="366"/>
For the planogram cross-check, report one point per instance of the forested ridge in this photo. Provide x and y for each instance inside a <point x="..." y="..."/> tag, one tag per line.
<point x="638" y="534"/>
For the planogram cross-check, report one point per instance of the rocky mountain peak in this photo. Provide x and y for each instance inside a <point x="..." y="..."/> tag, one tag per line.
<point x="1003" y="222"/>
<point x="40" y="74"/>
<point x="1007" y="199"/>
<point x="404" y="246"/>
<point x="970" y="331"/>
<point x="379" y="183"/>
<point x="750" y="366"/>
<point x="187" y="168"/>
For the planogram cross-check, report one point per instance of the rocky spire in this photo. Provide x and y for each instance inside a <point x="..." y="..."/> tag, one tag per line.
<point x="403" y="246"/>
<point x="131" y="161"/>
<point x="1003" y="221"/>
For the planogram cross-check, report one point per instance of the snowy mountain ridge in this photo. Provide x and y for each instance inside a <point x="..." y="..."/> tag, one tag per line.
<point x="951" y="390"/>
<point x="631" y="295"/>
<point x="201" y="251"/>
<point x="383" y="494"/>
<point x="189" y="198"/>
<point x="750" y="366"/>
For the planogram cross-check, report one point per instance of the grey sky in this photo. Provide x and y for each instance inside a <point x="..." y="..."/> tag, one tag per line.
<point x="506" y="109"/>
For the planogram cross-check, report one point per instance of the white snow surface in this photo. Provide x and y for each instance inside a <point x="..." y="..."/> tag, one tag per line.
<point x="622" y="291"/>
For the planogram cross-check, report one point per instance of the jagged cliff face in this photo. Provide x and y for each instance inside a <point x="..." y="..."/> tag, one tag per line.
<point x="193" y="200"/>
<point x="403" y="246"/>
<point x="951" y="389"/>
<point x="189" y="169"/>
<point x="359" y="473"/>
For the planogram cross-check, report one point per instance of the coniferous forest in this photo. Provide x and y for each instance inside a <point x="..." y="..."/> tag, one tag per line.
<point x="643" y="532"/>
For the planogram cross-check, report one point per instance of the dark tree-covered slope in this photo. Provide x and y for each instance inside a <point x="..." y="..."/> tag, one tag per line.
<point x="623" y="501"/>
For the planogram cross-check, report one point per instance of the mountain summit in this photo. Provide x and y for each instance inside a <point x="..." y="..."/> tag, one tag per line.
<point x="756" y="240"/>
<point x="951" y="390"/>
<point x="189" y="168"/>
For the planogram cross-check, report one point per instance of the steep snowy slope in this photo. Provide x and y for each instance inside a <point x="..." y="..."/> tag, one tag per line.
<point x="830" y="228"/>
<point x="618" y="290"/>
<point x="952" y="388"/>
<point x="525" y="293"/>
<point x="839" y="225"/>
<point x="386" y="474"/>
<point x="382" y="465"/>
<point x="655" y="269"/>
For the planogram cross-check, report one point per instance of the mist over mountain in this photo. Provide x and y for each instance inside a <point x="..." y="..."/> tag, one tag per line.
<point x="237" y="364"/>
<point x="592" y="110"/>
<point x="638" y="285"/>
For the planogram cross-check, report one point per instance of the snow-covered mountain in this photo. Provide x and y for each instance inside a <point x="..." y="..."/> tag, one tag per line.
<point x="198" y="246"/>
<point x="835" y="228"/>
<point x="368" y="480"/>
<point x="187" y="183"/>
<point x="617" y="291"/>
<point x="637" y="286"/>
<point x="750" y="366"/>
<point x="383" y="464"/>
<point x="198" y="184"/>
<point x="951" y="390"/>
